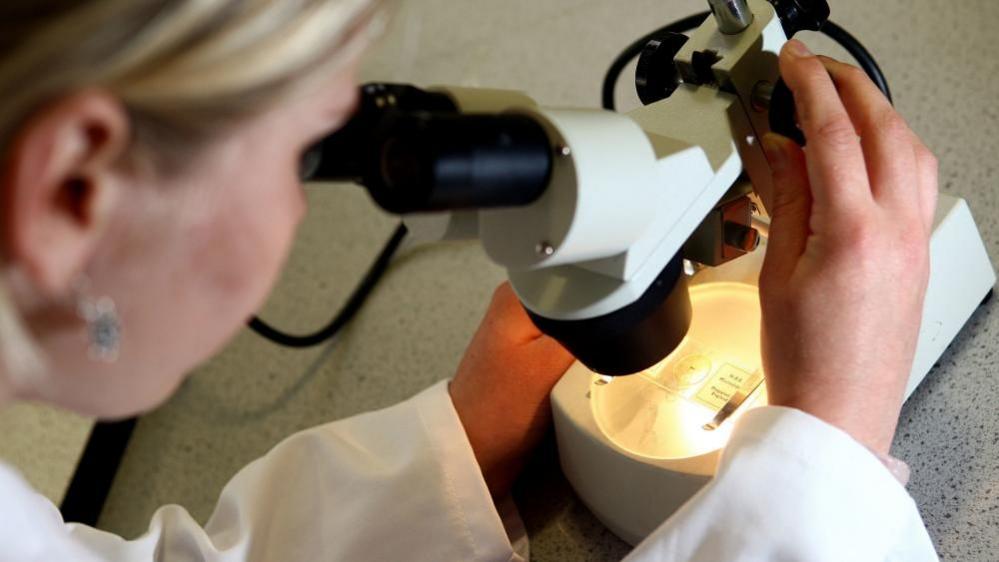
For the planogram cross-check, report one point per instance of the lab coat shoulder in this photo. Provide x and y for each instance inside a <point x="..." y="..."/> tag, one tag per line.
<point x="791" y="487"/>
<point x="397" y="484"/>
<point x="31" y="528"/>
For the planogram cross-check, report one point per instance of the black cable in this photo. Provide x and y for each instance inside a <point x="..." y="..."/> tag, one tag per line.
<point x="90" y="486"/>
<point x="857" y="50"/>
<point x="354" y="303"/>
<point x="853" y="46"/>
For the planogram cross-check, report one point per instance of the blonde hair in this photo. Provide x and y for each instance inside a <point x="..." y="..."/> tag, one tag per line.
<point x="184" y="70"/>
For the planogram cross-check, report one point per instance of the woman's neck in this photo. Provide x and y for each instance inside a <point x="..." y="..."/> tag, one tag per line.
<point x="20" y="358"/>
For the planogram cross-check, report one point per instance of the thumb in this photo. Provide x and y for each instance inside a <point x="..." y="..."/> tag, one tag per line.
<point x="791" y="207"/>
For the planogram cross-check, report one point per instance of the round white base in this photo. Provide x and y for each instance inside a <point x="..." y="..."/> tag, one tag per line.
<point x="636" y="448"/>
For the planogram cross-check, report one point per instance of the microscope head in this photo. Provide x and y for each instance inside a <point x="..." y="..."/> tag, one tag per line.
<point x="595" y="215"/>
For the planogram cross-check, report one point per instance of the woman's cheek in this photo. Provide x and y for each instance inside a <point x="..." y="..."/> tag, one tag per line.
<point x="259" y="241"/>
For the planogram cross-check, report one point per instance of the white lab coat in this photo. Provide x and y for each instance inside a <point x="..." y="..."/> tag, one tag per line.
<point x="402" y="484"/>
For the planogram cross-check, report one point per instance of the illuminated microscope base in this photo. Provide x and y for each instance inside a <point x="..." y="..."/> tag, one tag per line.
<point x="636" y="449"/>
<point x="675" y="410"/>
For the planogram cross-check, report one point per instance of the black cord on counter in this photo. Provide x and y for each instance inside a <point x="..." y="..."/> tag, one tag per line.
<point x="354" y="303"/>
<point x="864" y="58"/>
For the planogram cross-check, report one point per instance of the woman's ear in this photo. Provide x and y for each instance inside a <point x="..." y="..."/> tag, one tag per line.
<point x="59" y="186"/>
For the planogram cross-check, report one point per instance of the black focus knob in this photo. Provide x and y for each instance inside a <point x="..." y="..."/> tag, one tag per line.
<point x="783" y="118"/>
<point x="656" y="77"/>
<point x="801" y="15"/>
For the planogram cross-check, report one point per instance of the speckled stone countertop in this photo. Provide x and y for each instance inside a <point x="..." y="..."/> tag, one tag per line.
<point x="44" y="444"/>
<point x="940" y="58"/>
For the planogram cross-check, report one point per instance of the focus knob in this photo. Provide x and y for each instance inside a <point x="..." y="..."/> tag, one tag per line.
<point x="783" y="118"/>
<point x="656" y="77"/>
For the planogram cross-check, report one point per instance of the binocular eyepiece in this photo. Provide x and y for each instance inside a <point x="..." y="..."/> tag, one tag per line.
<point x="415" y="152"/>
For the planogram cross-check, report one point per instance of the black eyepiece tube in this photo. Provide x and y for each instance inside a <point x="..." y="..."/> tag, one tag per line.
<point x="342" y="155"/>
<point x="433" y="162"/>
<point x="415" y="152"/>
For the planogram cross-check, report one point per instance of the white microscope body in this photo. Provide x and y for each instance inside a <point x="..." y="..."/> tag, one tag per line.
<point x="627" y="195"/>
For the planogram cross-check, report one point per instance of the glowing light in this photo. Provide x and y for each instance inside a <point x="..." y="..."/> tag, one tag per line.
<point x="662" y="412"/>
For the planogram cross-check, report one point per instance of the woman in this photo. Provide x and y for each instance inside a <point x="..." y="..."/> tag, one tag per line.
<point x="149" y="181"/>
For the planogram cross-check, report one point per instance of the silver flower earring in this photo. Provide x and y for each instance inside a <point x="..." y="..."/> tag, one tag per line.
<point x="103" y="326"/>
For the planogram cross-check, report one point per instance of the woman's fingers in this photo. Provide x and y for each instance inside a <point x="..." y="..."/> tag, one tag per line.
<point x="886" y="139"/>
<point x="862" y="282"/>
<point x="791" y="209"/>
<point x="836" y="163"/>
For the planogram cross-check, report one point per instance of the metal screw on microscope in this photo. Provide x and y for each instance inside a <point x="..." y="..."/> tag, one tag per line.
<point x="733" y="16"/>
<point x="763" y="92"/>
<point x="545" y="248"/>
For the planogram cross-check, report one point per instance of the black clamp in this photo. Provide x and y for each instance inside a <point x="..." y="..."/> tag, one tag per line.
<point x="656" y="77"/>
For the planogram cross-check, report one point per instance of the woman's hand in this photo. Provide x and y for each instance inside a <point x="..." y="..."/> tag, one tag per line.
<point x="847" y="265"/>
<point x="502" y="387"/>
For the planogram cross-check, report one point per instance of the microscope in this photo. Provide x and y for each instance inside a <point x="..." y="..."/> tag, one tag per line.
<point x="635" y="240"/>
